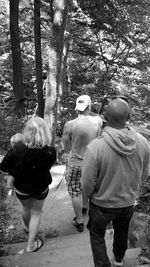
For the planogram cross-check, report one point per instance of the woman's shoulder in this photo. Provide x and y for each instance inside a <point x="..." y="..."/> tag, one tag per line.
<point x="49" y="152"/>
<point x="50" y="149"/>
<point x="18" y="148"/>
<point x="46" y="150"/>
<point x="41" y="150"/>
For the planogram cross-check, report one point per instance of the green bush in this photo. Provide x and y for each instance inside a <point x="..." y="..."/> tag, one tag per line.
<point x="9" y="125"/>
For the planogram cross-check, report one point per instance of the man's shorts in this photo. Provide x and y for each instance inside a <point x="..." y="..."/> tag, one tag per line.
<point x="73" y="176"/>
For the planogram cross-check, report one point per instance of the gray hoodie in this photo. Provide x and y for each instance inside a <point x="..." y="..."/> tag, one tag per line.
<point x="114" y="167"/>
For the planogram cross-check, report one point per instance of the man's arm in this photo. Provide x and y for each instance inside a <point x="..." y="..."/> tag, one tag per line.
<point x="146" y="167"/>
<point x="89" y="174"/>
<point x="100" y="126"/>
<point x="65" y="140"/>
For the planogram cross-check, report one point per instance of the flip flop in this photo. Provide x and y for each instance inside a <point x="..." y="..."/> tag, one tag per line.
<point x="37" y="245"/>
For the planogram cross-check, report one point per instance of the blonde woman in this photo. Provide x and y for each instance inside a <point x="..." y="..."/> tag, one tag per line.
<point x="29" y="164"/>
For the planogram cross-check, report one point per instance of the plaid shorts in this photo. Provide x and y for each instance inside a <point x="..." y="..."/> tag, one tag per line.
<point x="73" y="176"/>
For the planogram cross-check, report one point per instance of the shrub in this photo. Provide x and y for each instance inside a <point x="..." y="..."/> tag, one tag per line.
<point x="9" y="125"/>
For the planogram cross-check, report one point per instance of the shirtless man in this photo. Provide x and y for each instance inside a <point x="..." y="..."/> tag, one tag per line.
<point x="79" y="133"/>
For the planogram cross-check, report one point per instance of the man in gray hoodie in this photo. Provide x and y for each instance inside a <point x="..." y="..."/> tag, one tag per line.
<point x="114" y="166"/>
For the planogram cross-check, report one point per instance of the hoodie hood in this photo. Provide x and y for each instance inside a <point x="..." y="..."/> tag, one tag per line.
<point x="122" y="141"/>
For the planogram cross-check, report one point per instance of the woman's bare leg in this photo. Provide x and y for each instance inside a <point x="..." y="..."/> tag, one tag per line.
<point x="35" y="214"/>
<point x="26" y="213"/>
<point x="31" y="213"/>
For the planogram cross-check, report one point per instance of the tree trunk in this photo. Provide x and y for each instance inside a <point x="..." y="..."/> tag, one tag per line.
<point x="64" y="78"/>
<point x="53" y="85"/>
<point x="38" y="58"/>
<point x="67" y="64"/>
<point x="16" y="59"/>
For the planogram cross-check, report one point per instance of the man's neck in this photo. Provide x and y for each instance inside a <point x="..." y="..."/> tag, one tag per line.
<point x="84" y="113"/>
<point x="117" y="125"/>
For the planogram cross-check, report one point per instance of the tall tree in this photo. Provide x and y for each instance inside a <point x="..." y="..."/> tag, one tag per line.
<point x="60" y="11"/>
<point x="38" y="58"/>
<point x="16" y="58"/>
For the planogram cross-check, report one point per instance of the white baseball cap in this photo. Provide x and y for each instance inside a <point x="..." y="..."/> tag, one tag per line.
<point x="83" y="102"/>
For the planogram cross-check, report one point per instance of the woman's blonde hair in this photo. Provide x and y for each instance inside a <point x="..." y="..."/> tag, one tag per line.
<point x="36" y="133"/>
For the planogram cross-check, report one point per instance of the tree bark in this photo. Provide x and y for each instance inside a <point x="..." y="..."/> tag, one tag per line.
<point x="64" y="78"/>
<point x="16" y="59"/>
<point x="38" y="58"/>
<point x="53" y="85"/>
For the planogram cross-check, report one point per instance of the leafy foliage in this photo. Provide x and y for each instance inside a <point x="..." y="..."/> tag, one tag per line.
<point x="108" y="52"/>
<point x="9" y="126"/>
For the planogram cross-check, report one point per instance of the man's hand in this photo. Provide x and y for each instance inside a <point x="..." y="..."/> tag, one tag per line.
<point x="60" y="148"/>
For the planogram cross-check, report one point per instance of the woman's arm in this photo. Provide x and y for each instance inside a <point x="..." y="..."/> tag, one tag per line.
<point x="7" y="163"/>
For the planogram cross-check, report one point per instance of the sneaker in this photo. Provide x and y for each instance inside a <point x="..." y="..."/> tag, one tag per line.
<point x="79" y="226"/>
<point x="118" y="263"/>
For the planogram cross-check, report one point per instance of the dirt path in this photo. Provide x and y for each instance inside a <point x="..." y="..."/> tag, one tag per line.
<point x="56" y="219"/>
